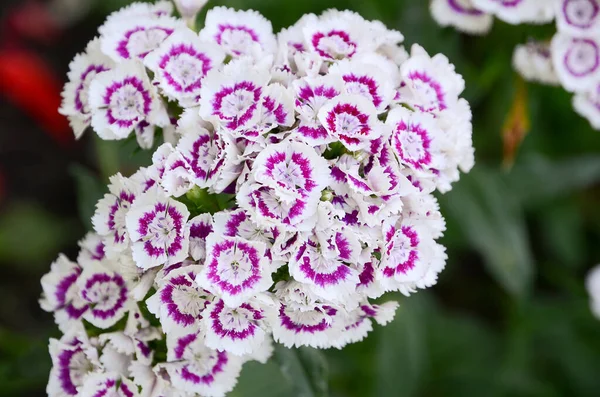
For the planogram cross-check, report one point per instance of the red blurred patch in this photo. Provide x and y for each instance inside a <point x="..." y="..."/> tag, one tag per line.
<point x="31" y="20"/>
<point x="28" y="82"/>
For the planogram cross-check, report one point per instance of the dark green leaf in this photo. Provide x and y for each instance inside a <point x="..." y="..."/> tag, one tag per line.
<point x="536" y="178"/>
<point x="29" y="234"/>
<point x="305" y="370"/>
<point x="492" y="221"/>
<point x="90" y="189"/>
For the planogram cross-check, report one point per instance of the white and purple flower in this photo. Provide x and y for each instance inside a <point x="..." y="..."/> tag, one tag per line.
<point x="576" y="61"/>
<point x="106" y="295"/>
<point x="156" y="226"/>
<point x="239" y="33"/>
<point x="109" y="218"/>
<point x="122" y="100"/>
<point x="351" y="119"/>
<point x="578" y="17"/>
<point x="180" y="63"/>
<point x="230" y="98"/>
<point x="76" y="95"/>
<point x="235" y="269"/>
<point x="179" y="302"/>
<point x="518" y="11"/>
<point x="462" y="15"/>
<point x="195" y="368"/>
<point x="239" y="330"/>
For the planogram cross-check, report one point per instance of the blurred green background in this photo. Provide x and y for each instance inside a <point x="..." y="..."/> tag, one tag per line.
<point x="510" y="314"/>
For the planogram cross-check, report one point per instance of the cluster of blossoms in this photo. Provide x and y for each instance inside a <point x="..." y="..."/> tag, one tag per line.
<point x="294" y="186"/>
<point x="570" y="59"/>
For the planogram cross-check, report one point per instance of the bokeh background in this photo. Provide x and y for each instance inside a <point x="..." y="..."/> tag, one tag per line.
<point x="510" y="314"/>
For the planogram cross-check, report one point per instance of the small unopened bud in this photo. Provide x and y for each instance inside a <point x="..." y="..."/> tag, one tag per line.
<point x="189" y="9"/>
<point x="327" y="195"/>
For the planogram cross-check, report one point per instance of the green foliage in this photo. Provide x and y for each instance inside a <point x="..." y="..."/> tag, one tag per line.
<point x="44" y="233"/>
<point x="493" y="223"/>
<point x="305" y="369"/>
<point x="90" y="189"/>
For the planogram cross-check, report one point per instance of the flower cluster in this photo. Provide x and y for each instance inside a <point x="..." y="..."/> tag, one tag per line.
<point x="477" y="16"/>
<point x="296" y="187"/>
<point x="570" y="59"/>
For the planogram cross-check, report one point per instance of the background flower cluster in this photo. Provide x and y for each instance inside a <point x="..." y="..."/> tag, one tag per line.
<point x="570" y="58"/>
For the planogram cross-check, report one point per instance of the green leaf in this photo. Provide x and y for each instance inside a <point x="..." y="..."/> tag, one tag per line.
<point x="562" y="233"/>
<point x="89" y="190"/>
<point x="536" y="178"/>
<point x="305" y="369"/>
<point x="264" y="380"/>
<point x="402" y="350"/>
<point x="493" y="223"/>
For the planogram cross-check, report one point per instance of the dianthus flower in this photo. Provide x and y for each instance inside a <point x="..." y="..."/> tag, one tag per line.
<point x="298" y="187"/>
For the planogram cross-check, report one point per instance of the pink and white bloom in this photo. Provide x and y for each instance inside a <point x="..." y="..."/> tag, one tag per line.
<point x="518" y="11"/>
<point x="239" y="331"/>
<point x="276" y="109"/>
<point x="294" y="170"/>
<point x="109" y="218"/>
<point x="195" y="368"/>
<point x="322" y="262"/>
<point x="108" y="384"/>
<point x="107" y="295"/>
<point x="587" y="104"/>
<point x="211" y="159"/>
<point x="533" y="61"/>
<point x="238" y="223"/>
<point x="576" y="61"/>
<point x="180" y="63"/>
<point x="462" y="15"/>
<point x="312" y="93"/>
<point x="235" y="269"/>
<point x="136" y="11"/>
<point x="82" y="70"/>
<point x="61" y="293"/>
<point x="338" y="35"/>
<point x="178" y="177"/>
<point x="302" y="320"/>
<point x="134" y="40"/>
<point x="230" y="98"/>
<point x="431" y="84"/>
<point x="269" y="209"/>
<point x="156" y="226"/>
<point x="352" y="119"/>
<point x="74" y="359"/>
<point x="369" y="76"/>
<point x="123" y="99"/>
<point x="410" y="258"/>
<point x="239" y="33"/>
<point x="416" y="140"/>
<point x="578" y="17"/>
<point x="179" y="302"/>
<point x="359" y="321"/>
<point x="91" y="249"/>
<point x="592" y="284"/>
<point x="200" y="227"/>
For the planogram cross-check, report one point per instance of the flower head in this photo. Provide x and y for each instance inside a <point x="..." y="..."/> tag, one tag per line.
<point x="294" y="184"/>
